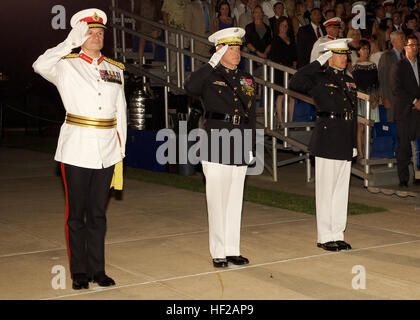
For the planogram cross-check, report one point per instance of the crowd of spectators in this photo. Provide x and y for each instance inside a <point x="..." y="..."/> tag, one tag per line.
<point x="286" y="31"/>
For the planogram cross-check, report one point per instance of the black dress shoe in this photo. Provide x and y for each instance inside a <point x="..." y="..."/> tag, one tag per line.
<point x="80" y="281"/>
<point x="403" y="184"/>
<point x="103" y="280"/>
<point x="342" y="245"/>
<point x="220" y="263"/>
<point x="238" y="260"/>
<point x="330" y="246"/>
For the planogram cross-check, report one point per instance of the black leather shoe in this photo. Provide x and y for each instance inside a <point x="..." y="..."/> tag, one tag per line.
<point x="103" y="280"/>
<point x="330" y="246"/>
<point x="238" y="260"/>
<point x="403" y="184"/>
<point x="80" y="281"/>
<point x="342" y="245"/>
<point x="220" y="263"/>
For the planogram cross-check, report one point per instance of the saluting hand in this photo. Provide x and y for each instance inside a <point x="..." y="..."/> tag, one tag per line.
<point x="417" y="105"/>
<point x="324" y="57"/>
<point x="78" y="35"/>
<point x="215" y="58"/>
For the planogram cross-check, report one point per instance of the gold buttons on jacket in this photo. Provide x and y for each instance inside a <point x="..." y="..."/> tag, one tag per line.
<point x="99" y="94"/>
<point x="220" y="91"/>
<point x="236" y="99"/>
<point x="345" y="99"/>
<point x="100" y="108"/>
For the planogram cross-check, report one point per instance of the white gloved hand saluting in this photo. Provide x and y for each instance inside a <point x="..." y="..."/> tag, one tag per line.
<point x="77" y="35"/>
<point x="324" y="57"/>
<point x="354" y="152"/>
<point x="215" y="58"/>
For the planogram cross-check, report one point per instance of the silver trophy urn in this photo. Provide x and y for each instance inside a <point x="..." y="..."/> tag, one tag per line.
<point x="137" y="109"/>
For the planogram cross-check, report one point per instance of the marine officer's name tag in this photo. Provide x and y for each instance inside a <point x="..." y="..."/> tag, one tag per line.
<point x="220" y="83"/>
<point x="111" y="76"/>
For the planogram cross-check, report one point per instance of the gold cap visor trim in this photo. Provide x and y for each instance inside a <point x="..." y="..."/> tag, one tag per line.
<point x="230" y="41"/>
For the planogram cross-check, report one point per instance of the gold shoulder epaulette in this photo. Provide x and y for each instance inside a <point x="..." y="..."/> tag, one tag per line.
<point x="71" y="55"/>
<point x="115" y="63"/>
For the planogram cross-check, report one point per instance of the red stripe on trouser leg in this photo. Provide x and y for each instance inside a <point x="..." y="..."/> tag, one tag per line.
<point x="63" y="173"/>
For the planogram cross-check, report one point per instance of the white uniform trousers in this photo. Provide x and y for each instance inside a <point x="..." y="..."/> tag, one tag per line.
<point x="332" y="179"/>
<point x="224" y="193"/>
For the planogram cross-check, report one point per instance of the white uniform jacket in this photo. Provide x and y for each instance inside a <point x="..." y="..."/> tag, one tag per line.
<point x="92" y="88"/>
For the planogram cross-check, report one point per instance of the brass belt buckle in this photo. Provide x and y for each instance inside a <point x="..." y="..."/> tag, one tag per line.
<point x="236" y="119"/>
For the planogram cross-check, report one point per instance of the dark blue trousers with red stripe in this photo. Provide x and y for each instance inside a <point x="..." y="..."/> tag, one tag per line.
<point x="87" y="193"/>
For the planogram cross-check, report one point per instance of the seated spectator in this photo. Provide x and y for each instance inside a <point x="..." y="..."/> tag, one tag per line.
<point x="283" y="51"/>
<point x="386" y="25"/>
<point x="396" y="21"/>
<point x="224" y="17"/>
<point x="365" y="74"/>
<point x="376" y="49"/>
<point x="309" y="5"/>
<point x="294" y="22"/>
<point x="239" y="8"/>
<point x="299" y="14"/>
<point x="278" y="12"/>
<point x="339" y="10"/>
<point x="247" y="17"/>
<point x="268" y="7"/>
<point x="410" y="26"/>
<point x="354" y="45"/>
<point x="329" y="14"/>
<point x="347" y="9"/>
<point x="258" y="34"/>
<point x="151" y="10"/>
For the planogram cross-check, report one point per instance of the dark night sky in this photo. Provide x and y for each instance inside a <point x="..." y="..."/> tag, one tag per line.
<point x="26" y="31"/>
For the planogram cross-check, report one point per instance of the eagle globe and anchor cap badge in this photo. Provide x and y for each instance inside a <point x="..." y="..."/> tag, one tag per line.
<point x="95" y="18"/>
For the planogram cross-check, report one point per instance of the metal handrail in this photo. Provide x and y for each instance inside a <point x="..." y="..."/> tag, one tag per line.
<point x="267" y="81"/>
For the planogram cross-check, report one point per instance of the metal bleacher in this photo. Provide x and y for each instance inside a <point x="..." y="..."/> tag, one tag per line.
<point x="378" y="174"/>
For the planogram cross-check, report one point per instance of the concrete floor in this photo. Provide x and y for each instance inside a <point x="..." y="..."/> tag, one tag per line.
<point x="157" y="243"/>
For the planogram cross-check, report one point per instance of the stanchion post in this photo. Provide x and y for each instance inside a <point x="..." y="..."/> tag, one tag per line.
<point x="265" y="97"/>
<point x="367" y="143"/>
<point x="274" y="140"/>
<point x="286" y="108"/>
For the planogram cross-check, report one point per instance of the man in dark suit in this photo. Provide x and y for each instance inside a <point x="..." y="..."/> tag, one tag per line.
<point x="333" y="140"/>
<point x="307" y="36"/>
<point x="406" y="89"/>
<point x="228" y="97"/>
<point x="387" y="60"/>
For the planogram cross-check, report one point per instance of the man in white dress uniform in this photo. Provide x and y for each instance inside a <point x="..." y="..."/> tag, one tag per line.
<point x="91" y="144"/>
